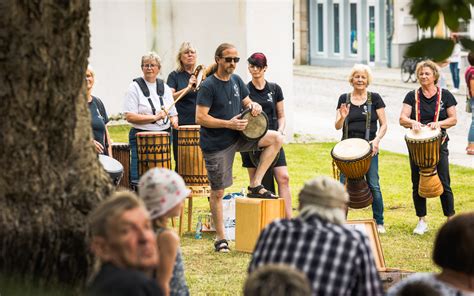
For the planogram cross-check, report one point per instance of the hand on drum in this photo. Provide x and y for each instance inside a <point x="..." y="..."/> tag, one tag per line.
<point x="174" y="121"/>
<point x="434" y="125"/>
<point x="98" y="147"/>
<point x="415" y="125"/>
<point x="375" y="146"/>
<point x="256" y="108"/>
<point x="344" y="109"/>
<point x="236" y="123"/>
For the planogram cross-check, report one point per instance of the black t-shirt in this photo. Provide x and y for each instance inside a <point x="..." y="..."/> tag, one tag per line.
<point x="268" y="100"/>
<point x="115" y="281"/>
<point x="99" y="119"/>
<point x="224" y="99"/>
<point x="428" y="105"/>
<point x="358" y="116"/>
<point x="186" y="106"/>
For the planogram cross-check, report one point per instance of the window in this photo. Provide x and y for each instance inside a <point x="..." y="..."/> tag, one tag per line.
<point x="353" y="29"/>
<point x="320" y="28"/>
<point x="336" y="28"/>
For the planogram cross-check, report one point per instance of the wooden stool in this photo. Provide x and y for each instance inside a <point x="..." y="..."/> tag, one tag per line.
<point x="196" y="191"/>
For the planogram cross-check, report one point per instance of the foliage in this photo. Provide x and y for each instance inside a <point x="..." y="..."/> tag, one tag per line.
<point x="427" y="13"/>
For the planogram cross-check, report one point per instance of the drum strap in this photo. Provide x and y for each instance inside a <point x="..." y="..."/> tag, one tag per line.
<point x="272" y="87"/>
<point x="160" y="90"/>
<point x="418" y="105"/>
<point x="367" y="119"/>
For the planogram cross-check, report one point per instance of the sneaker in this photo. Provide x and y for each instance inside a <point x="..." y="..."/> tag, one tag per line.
<point x="381" y="229"/>
<point x="455" y="90"/>
<point x="421" y="228"/>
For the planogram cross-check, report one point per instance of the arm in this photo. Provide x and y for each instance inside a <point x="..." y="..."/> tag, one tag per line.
<point x="280" y="110"/>
<point x="107" y="139"/>
<point x="471" y="86"/>
<point x="168" y="243"/>
<point x="144" y="118"/>
<point x="405" y="120"/>
<point x="383" y="129"/>
<point x="450" y="121"/>
<point x="203" y="118"/>
<point x="248" y="103"/>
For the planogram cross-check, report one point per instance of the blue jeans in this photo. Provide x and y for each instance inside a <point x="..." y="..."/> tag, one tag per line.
<point x="471" y="130"/>
<point x="372" y="178"/>
<point x="454" y="67"/>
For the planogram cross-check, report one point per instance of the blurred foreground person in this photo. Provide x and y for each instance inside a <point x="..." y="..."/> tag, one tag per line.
<point x="453" y="253"/>
<point x="277" y="280"/>
<point x="335" y="259"/>
<point x="123" y="241"/>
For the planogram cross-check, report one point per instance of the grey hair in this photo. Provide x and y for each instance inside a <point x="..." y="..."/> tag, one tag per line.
<point x="361" y="68"/>
<point x="330" y="214"/>
<point x="150" y="56"/>
<point x="90" y="69"/>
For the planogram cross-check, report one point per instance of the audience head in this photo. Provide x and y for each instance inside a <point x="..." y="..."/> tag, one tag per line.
<point x="470" y="58"/>
<point x="277" y="280"/>
<point x="162" y="190"/>
<point x="418" y="288"/>
<point x="121" y="233"/>
<point x="454" y="244"/>
<point x="325" y="197"/>
<point x="90" y="77"/>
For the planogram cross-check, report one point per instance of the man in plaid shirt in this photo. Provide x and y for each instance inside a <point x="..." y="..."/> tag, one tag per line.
<point x="336" y="260"/>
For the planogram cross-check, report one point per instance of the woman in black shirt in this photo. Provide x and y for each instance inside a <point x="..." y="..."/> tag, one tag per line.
<point x="353" y="107"/>
<point x="270" y="96"/>
<point x="431" y="98"/>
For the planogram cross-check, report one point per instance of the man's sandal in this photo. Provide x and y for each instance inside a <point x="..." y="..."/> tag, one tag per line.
<point x="222" y="246"/>
<point x="254" y="192"/>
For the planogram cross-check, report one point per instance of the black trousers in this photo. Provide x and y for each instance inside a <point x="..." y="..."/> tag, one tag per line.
<point x="447" y="198"/>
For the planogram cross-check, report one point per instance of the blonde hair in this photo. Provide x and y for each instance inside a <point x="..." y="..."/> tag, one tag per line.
<point x="90" y="69"/>
<point x="361" y="68"/>
<point x="150" y="56"/>
<point x="185" y="46"/>
<point x="428" y="64"/>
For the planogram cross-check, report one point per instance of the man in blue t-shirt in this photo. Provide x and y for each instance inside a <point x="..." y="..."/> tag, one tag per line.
<point x="220" y="100"/>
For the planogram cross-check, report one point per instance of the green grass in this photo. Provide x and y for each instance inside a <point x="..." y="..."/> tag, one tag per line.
<point x="210" y="273"/>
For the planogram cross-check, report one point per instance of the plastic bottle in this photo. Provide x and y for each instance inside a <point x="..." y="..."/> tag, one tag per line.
<point x="198" y="234"/>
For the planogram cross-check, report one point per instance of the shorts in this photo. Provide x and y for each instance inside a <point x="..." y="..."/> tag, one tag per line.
<point x="247" y="162"/>
<point x="219" y="164"/>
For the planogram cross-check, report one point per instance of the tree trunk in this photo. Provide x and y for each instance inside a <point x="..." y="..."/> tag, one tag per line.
<point x="50" y="177"/>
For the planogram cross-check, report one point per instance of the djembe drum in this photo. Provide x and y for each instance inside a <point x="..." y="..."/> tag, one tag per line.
<point x="121" y="152"/>
<point x="113" y="167"/>
<point x="257" y="126"/>
<point x="191" y="164"/>
<point x="352" y="157"/>
<point x="153" y="151"/>
<point x="423" y="146"/>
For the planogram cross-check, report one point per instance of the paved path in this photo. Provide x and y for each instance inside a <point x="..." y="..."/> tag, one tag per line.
<point x="316" y="90"/>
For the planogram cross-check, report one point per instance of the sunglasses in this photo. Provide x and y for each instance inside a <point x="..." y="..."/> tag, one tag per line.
<point x="230" y="59"/>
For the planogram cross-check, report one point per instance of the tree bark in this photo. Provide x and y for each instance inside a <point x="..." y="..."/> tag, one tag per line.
<point x="50" y="177"/>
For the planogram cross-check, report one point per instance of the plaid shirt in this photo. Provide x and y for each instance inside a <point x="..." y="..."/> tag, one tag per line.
<point x="336" y="260"/>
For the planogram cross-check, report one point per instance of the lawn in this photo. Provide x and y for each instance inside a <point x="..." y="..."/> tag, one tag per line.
<point x="213" y="273"/>
<point x="210" y="273"/>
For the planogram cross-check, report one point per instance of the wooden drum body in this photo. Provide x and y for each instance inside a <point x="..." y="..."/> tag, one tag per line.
<point x="423" y="146"/>
<point x="121" y="152"/>
<point x="191" y="164"/>
<point x="352" y="157"/>
<point x="153" y="151"/>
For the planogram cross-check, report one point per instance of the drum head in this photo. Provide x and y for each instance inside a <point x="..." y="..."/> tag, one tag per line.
<point x="257" y="126"/>
<point x="110" y="165"/>
<point x="152" y="134"/>
<point x="424" y="133"/>
<point x="189" y="127"/>
<point x="351" y="149"/>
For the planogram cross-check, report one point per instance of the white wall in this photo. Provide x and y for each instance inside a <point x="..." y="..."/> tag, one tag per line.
<point x="122" y="31"/>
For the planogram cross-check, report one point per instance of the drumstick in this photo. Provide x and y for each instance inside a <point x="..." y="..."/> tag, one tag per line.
<point x="186" y="90"/>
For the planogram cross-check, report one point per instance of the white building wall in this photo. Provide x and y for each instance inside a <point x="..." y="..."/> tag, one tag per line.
<point x="122" y="31"/>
